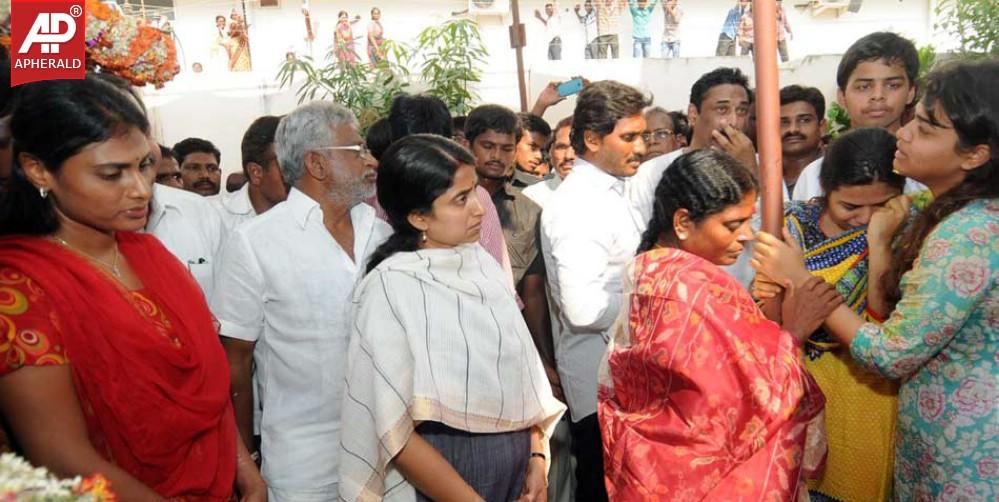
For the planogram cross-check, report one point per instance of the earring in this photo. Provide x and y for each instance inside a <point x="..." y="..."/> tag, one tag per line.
<point x="423" y="237"/>
<point x="44" y="192"/>
<point x="680" y="235"/>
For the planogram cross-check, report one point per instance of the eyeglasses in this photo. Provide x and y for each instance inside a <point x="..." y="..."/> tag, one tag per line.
<point x="658" y="135"/>
<point x="361" y="150"/>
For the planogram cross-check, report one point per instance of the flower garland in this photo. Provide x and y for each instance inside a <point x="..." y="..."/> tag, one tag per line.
<point x="21" y="482"/>
<point x="129" y="48"/>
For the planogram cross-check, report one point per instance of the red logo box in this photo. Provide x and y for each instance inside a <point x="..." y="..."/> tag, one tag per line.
<point x="47" y="40"/>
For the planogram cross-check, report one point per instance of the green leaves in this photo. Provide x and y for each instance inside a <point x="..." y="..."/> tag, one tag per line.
<point x="452" y="55"/>
<point x="974" y="24"/>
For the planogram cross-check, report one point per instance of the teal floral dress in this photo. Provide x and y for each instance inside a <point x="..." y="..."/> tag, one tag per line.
<point x="942" y="342"/>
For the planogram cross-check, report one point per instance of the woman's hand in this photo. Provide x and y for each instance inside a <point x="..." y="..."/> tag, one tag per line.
<point x="782" y="262"/>
<point x="806" y="306"/>
<point x="886" y="220"/>
<point x="765" y="288"/>
<point x="535" y="482"/>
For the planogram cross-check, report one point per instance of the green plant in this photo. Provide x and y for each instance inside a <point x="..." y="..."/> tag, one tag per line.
<point x="452" y="55"/>
<point x="974" y="22"/>
<point x="837" y="120"/>
<point x="367" y="89"/>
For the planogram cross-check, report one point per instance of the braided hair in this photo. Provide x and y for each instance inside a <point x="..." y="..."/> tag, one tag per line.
<point x="412" y="173"/>
<point x="704" y="182"/>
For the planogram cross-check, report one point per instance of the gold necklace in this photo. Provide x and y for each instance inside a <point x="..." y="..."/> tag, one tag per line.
<point x="113" y="266"/>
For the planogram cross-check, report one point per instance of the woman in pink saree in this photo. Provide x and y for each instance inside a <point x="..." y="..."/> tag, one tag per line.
<point x="701" y="397"/>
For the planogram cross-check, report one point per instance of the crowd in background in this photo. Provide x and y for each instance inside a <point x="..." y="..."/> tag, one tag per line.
<point x="490" y="307"/>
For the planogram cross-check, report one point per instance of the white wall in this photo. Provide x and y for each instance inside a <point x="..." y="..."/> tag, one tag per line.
<point x="219" y="105"/>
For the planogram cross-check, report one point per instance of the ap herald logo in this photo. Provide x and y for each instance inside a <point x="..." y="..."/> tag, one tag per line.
<point x="47" y="40"/>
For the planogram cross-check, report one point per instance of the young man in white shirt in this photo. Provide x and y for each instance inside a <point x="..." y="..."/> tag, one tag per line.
<point x="561" y="157"/>
<point x="877" y="84"/>
<point x="284" y="282"/>
<point x="265" y="186"/>
<point x="588" y="233"/>
<point x="802" y="122"/>
<point x="552" y="20"/>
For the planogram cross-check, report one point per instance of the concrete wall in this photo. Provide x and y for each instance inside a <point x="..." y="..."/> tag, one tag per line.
<point x="219" y="105"/>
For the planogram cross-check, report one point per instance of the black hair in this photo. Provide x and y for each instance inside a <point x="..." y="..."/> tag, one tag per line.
<point x="7" y="93"/>
<point x="458" y="124"/>
<point x="681" y="125"/>
<point x="565" y="122"/>
<point x="495" y="117"/>
<point x="83" y="112"/>
<point x="794" y="93"/>
<point x="412" y="174"/>
<point x="257" y="139"/>
<point x="166" y="152"/>
<point x="195" y="145"/>
<point x="534" y="124"/>
<point x="704" y="182"/>
<point x="600" y="106"/>
<point x="419" y="114"/>
<point x="379" y="137"/>
<point x="881" y="46"/>
<point x="342" y="13"/>
<point x="714" y="78"/>
<point x="220" y="16"/>
<point x="860" y="157"/>
<point x="966" y="93"/>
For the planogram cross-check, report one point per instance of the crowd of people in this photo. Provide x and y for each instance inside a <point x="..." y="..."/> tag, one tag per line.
<point x="488" y="307"/>
<point x="600" y="21"/>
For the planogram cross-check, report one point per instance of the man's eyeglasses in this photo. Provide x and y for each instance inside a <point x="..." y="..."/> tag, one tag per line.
<point x="657" y="135"/>
<point x="361" y="150"/>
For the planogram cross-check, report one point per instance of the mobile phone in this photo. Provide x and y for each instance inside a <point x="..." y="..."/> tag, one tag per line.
<point x="570" y="87"/>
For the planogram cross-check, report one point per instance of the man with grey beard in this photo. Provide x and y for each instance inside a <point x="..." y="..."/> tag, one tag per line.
<point x="283" y="286"/>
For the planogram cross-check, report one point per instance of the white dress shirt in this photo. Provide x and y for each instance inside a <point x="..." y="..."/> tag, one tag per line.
<point x="189" y="226"/>
<point x="542" y="191"/>
<point x="285" y="283"/>
<point x="235" y="209"/>
<point x="808" y="185"/>
<point x="588" y="233"/>
<point x="642" y="194"/>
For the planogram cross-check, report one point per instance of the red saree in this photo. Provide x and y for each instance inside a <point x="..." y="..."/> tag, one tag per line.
<point x="156" y="401"/>
<point x="701" y="397"/>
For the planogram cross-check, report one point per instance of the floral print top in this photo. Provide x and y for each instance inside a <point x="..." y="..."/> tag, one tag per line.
<point x="942" y="342"/>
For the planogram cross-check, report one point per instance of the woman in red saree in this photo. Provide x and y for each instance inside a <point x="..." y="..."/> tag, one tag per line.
<point x="701" y="397"/>
<point x="111" y="362"/>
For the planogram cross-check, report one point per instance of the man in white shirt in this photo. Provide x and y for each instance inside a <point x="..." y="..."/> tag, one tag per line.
<point x="561" y="157"/>
<point x="552" y="20"/>
<point x="284" y="282"/>
<point x="877" y="84"/>
<point x="265" y="187"/>
<point x="588" y="233"/>
<point x="199" y="166"/>
<point x="188" y="225"/>
<point x="719" y="111"/>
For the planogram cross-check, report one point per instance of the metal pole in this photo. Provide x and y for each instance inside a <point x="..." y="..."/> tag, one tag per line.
<point x="517" y="40"/>
<point x="768" y="113"/>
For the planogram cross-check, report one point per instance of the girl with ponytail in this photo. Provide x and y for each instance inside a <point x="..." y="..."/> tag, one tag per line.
<point x="691" y="349"/>
<point x="446" y="395"/>
<point x="941" y="339"/>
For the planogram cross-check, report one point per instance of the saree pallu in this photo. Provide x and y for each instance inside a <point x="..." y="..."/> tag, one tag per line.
<point x="701" y="397"/>
<point x="861" y="407"/>
<point x="156" y="401"/>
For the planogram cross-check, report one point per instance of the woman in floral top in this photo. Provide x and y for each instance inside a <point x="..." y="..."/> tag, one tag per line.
<point x="942" y="339"/>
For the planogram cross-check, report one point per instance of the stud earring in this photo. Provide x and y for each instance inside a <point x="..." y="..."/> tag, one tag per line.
<point x="44" y="192"/>
<point x="680" y="235"/>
